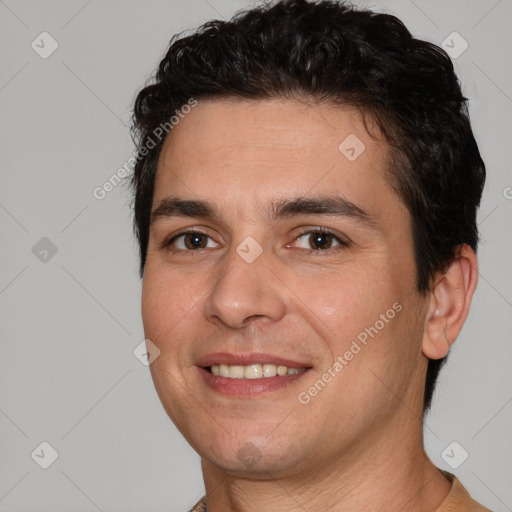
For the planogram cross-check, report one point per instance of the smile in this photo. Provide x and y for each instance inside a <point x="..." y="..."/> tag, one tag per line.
<point x="253" y="371"/>
<point x="249" y="375"/>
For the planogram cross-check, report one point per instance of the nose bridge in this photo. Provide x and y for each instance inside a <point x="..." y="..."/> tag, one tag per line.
<point x="244" y="287"/>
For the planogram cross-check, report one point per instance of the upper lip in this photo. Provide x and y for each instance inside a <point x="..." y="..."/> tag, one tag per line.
<point x="247" y="359"/>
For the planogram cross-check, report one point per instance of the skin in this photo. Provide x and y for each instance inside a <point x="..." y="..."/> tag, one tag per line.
<point x="357" y="445"/>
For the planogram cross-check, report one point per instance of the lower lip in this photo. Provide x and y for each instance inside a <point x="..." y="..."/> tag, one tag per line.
<point x="247" y="388"/>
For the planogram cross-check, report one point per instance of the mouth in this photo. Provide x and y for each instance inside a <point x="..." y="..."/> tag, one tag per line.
<point x="252" y="371"/>
<point x="251" y="375"/>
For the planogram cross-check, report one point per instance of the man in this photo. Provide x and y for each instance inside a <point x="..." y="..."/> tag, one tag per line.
<point x="306" y="191"/>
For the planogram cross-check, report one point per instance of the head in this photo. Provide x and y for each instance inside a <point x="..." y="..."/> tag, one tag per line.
<point x="276" y="96"/>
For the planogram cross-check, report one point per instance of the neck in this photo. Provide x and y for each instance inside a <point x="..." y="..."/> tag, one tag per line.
<point x="374" y="475"/>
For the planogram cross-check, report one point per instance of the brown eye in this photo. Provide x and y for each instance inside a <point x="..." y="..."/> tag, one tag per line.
<point x="195" y="240"/>
<point x="320" y="240"/>
<point x="190" y="241"/>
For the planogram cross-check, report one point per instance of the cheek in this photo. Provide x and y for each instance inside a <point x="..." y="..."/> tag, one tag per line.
<point x="167" y="309"/>
<point x="343" y="302"/>
<point x="167" y="301"/>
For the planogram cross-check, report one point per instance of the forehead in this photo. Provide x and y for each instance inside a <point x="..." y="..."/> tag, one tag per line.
<point x="240" y="153"/>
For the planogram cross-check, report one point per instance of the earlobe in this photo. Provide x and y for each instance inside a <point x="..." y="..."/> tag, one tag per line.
<point x="450" y="300"/>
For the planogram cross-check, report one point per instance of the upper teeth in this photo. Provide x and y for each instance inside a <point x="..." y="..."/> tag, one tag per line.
<point x="252" y="371"/>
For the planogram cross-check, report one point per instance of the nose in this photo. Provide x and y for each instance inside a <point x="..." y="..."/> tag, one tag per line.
<point x="244" y="293"/>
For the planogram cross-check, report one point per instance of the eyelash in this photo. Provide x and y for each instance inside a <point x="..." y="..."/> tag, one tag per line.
<point x="313" y="252"/>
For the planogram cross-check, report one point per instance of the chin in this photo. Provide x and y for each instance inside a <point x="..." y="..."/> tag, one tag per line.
<point x="250" y="455"/>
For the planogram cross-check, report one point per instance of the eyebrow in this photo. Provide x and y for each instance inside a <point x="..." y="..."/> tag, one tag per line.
<point x="336" y="206"/>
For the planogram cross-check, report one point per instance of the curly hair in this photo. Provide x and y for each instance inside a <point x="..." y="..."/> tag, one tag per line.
<point x="334" y="52"/>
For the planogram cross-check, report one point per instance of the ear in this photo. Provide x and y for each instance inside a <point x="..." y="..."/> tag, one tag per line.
<point x="449" y="304"/>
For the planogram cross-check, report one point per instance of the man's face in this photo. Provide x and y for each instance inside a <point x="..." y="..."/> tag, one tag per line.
<point x="287" y="296"/>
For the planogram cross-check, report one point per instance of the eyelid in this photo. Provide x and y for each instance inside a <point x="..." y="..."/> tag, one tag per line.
<point x="169" y="240"/>
<point x="341" y="239"/>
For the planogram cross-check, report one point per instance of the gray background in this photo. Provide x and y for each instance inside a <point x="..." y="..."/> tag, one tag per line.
<point x="70" y="320"/>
